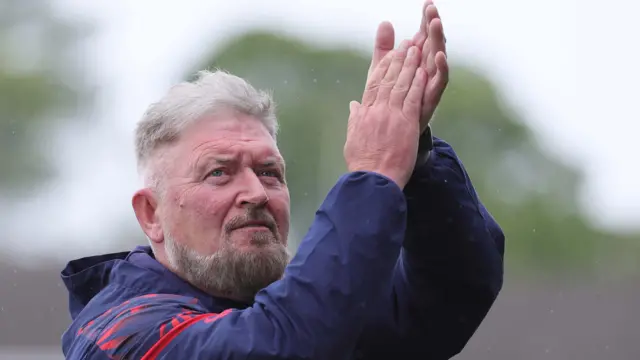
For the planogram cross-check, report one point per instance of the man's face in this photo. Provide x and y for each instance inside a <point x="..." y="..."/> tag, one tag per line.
<point x="225" y="207"/>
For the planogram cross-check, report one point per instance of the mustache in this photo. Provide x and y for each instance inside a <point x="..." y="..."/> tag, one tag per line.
<point x="252" y="216"/>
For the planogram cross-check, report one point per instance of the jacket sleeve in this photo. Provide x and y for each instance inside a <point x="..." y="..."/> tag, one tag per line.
<point x="316" y="311"/>
<point x="450" y="269"/>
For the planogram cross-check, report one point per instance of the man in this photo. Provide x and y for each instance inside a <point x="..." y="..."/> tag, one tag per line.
<point x="402" y="260"/>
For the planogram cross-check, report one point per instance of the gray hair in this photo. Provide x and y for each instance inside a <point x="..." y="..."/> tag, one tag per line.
<point x="188" y="102"/>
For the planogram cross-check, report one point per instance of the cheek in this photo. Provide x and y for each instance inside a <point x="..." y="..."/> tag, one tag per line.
<point x="199" y="209"/>
<point x="279" y="204"/>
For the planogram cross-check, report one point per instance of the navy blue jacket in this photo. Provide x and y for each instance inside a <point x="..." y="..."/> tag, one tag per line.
<point x="381" y="274"/>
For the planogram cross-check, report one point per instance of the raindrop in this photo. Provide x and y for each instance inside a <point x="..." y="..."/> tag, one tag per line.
<point x="534" y="229"/>
<point x="315" y="80"/>
<point x="15" y="271"/>
<point x="286" y="82"/>
<point x="13" y="132"/>
<point x="306" y="194"/>
<point x="337" y="81"/>
<point x="446" y="181"/>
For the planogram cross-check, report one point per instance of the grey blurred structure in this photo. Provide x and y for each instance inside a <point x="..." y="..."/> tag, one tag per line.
<point x="569" y="319"/>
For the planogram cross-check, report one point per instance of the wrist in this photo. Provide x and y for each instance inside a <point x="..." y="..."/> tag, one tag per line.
<point x="425" y="145"/>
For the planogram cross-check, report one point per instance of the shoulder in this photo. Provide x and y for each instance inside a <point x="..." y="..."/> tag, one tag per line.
<point x="137" y="325"/>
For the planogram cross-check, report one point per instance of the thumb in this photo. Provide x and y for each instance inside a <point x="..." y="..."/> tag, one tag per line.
<point x="354" y="106"/>
<point x="385" y="41"/>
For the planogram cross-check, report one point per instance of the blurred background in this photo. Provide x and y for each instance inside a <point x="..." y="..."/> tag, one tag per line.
<point x="541" y="108"/>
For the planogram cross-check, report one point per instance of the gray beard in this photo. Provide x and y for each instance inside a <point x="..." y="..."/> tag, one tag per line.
<point x="229" y="272"/>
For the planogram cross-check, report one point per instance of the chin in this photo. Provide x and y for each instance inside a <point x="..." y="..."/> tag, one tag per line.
<point x="254" y="238"/>
<point x="261" y="248"/>
<point x="274" y="251"/>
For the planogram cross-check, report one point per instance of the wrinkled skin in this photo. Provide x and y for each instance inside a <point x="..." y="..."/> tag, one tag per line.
<point x="432" y="42"/>
<point x="222" y="219"/>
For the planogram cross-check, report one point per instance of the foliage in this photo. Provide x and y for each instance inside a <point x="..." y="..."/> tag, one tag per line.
<point x="40" y="86"/>
<point x="531" y="194"/>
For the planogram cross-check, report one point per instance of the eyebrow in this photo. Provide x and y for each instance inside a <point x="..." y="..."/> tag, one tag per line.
<point x="204" y="163"/>
<point x="273" y="161"/>
<point x="221" y="160"/>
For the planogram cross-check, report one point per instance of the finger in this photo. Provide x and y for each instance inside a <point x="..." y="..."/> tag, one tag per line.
<point x="421" y="36"/>
<point x="391" y="77"/>
<point x="405" y="78"/>
<point x="434" y="44"/>
<point x="385" y="41"/>
<point x="374" y="80"/>
<point x="437" y="85"/>
<point x="438" y="41"/>
<point x="353" y="107"/>
<point x="413" y="101"/>
<point x="433" y="18"/>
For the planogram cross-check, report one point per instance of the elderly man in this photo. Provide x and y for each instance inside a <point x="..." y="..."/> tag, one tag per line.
<point x="402" y="260"/>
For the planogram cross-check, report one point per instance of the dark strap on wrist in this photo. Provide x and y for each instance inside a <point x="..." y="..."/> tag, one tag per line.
<point x="425" y="145"/>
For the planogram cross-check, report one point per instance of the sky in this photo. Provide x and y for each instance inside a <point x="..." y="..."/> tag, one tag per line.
<point x="570" y="68"/>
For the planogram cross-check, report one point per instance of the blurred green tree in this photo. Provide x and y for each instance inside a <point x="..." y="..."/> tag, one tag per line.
<point x="531" y="194"/>
<point x="41" y="84"/>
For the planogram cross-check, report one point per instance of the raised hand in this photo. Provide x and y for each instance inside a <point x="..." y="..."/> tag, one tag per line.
<point x="430" y="39"/>
<point x="383" y="131"/>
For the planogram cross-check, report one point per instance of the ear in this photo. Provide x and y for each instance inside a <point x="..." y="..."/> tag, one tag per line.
<point x="145" y="206"/>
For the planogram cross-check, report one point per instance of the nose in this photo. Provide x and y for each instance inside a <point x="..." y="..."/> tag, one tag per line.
<point x="253" y="193"/>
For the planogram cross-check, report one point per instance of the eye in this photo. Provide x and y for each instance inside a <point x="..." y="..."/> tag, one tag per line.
<point x="269" y="173"/>
<point x="216" y="173"/>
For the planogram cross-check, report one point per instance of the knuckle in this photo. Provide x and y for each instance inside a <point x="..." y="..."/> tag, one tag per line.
<point x="378" y="109"/>
<point x="400" y="56"/>
<point x="384" y="64"/>
<point x="395" y="104"/>
<point x="410" y="103"/>
<point x="409" y="66"/>
<point x="410" y="114"/>
<point x="372" y="87"/>
<point x="400" y="89"/>
<point x="387" y="83"/>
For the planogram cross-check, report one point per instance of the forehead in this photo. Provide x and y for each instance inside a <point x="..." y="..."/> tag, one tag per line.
<point x="231" y="135"/>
